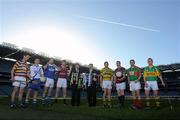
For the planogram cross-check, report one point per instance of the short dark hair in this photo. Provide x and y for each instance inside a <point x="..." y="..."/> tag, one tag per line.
<point x="36" y="59"/>
<point x="26" y="54"/>
<point x="106" y="62"/>
<point x="76" y="63"/>
<point x="63" y="61"/>
<point x="132" y="60"/>
<point x="150" y="59"/>
<point x="118" y="61"/>
<point x="91" y="64"/>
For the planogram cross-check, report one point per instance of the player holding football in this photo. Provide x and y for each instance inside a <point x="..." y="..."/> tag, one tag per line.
<point x="36" y="72"/>
<point x="49" y="72"/>
<point x="19" y="76"/>
<point x="151" y="75"/>
<point x="106" y="83"/>
<point x="63" y="74"/>
<point x="119" y="78"/>
<point x="134" y="76"/>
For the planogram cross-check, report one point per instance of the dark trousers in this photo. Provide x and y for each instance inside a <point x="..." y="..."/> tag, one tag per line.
<point x="91" y="95"/>
<point x="76" y="94"/>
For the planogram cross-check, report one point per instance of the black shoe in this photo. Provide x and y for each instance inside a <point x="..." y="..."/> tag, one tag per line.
<point x="133" y="107"/>
<point x="64" y="102"/>
<point x="109" y="106"/>
<point x="13" y="106"/>
<point x="56" y="101"/>
<point x="105" y="106"/>
<point x="21" y="106"/>
<point x="157" y="107"/>
<point x="147" y="108"/>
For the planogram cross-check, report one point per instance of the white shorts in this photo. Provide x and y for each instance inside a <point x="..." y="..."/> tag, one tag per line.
<point x="49" y="82"/>
<point x="19" y="82"/>
<point x="134" y="86"/>
<point x="120" y="86"/>
<point x="62" y="83"/>
<point x="107" y="84"/>
<point x="151" y="85"/>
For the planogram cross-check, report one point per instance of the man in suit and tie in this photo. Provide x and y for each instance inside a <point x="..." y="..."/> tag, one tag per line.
<point x="90" y="84"/>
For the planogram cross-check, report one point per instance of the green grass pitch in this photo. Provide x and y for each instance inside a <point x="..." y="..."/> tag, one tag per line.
<point x="83" y="112"/>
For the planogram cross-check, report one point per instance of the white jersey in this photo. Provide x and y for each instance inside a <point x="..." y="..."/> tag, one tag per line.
<point x="36" y="71"/>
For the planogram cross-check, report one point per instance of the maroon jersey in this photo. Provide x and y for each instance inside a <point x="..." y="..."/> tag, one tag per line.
<point x="63" y="73"/>
<point x="119" y="73"/>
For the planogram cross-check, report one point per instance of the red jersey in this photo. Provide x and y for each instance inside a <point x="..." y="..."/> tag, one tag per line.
<point x="119" y="73"/>
<point x="63" y="73"/>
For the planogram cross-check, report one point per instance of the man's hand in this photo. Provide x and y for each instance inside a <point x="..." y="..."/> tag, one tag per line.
<point x="70" y="67"/>
<point x="136" y="81"/>
<point x="12" y="78"/>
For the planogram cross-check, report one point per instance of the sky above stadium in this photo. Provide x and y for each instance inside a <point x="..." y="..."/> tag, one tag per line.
<point x="94" y="31"/>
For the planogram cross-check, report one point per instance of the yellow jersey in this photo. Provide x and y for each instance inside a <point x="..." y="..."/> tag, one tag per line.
<point x="106" y="73"/>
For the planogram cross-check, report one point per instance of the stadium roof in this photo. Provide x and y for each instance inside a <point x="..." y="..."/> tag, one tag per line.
<point x="11" y="51"/>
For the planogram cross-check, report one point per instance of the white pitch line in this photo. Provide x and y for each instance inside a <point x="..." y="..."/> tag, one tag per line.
<point x="117" y="23"/>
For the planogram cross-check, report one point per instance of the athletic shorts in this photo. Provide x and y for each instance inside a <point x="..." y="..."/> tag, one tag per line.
<point x="19" y="82"/>
<point x="35" y="86"/>
<point x="151" y="85"/>
<point x="62" y="83"/>
<point x="120" y="86"/>
<point x="49" y="82"/>
<point x="134" y="86"/>
<point x="107" y="84"/>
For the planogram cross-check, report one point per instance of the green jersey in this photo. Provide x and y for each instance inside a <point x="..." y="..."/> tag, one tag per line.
<point x="151" y="73"/>
<point x="134" y="73"/>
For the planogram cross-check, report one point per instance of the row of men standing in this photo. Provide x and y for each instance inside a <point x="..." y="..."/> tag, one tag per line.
<point x="31" y="77"/>
<point x="20" y="72"/>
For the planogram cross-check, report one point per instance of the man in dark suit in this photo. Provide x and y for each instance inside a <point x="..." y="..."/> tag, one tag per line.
<point x="90" y="79"/>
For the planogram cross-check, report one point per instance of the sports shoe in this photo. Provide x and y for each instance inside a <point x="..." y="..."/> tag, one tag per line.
<point x="21" y="106"/>
<point x="13" y="106"/>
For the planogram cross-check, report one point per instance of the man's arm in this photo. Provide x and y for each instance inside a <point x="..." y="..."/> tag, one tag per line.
<point x="45" y="66"/>
<point x="42" y="72"/>
<point x="12" y="74"/>
<point x="144" y="78"/>
<point x="160" y="76"/>
<point x="70" y="69"/>
<point x="12" y="71"/>
<point x="162" y="81"/>
<point x="140" y="75"/>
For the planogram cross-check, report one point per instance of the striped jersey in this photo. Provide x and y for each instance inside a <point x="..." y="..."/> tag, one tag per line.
<point x="134" y="73"/>
<point x="106" y="73"/>
<point x="151" y="73"/>
<point x="63" y="73"/>
<point x="21" y="69"/>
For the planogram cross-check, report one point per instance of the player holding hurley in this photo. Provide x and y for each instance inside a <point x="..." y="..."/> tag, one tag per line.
<point x="106" y="83"/>
<point x="36" y="72"/>
<point x="19" y="76"/>
<point x="49" y="72"/>
<point x="151" y="75"/>
<point x="63" y="74"/>
<point x="134" y="76"/>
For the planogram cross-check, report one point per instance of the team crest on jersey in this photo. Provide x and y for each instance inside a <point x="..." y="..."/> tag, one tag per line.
<point x="118" y="74"/>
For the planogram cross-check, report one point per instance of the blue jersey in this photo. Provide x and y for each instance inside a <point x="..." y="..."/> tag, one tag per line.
<point x="49" y="72"/>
